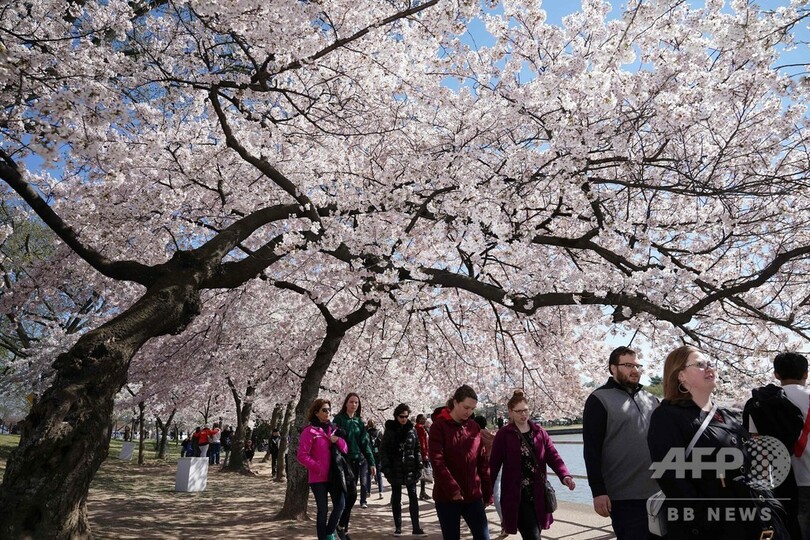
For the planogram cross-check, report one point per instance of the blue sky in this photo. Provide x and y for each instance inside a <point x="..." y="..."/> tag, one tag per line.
<point x="557" y="9"/>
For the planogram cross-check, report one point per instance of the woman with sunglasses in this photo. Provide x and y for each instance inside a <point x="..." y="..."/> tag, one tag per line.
<point x="315" y="453"/>
<point x="401" y="457"/>
<point x="523" y="449"/>
<point x="711" y="500"/>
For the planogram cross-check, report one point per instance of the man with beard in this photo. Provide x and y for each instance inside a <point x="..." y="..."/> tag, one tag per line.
<point x="615" y="423"/>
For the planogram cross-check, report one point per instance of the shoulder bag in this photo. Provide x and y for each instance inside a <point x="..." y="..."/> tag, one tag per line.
<point x="656" y="518"/>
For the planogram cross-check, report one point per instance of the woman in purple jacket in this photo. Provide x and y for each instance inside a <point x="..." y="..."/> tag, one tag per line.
<point x="523" y="449"/>
<point x="314" y="453"/>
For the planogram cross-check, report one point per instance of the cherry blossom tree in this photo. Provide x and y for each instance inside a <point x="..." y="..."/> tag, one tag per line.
<point x="646" y="171"/>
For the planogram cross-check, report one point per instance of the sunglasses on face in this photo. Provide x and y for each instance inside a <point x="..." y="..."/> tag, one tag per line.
<point x="701" y="364"/>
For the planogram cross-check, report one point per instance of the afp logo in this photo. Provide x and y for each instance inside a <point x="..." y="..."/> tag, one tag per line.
<point x="769" y="462"/>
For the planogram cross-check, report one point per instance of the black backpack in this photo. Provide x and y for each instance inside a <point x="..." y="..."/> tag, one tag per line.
<point x="774" y="415"/>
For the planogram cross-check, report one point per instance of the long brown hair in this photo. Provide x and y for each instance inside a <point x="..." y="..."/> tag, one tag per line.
<point x="312" y="413"/>
<point x="359" y="404"/>
<point x="673" y="365"/>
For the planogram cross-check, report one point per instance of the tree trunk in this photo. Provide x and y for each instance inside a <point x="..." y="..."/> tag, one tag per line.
<point x="66" y="435"/>
<point x="275" y="420"/>
<point x="282" y="445"/>
<point x="297" y="494"/>
<point x="243" y="407"/>
<point x="164" y="433"/>
<point x="141" y="430"/>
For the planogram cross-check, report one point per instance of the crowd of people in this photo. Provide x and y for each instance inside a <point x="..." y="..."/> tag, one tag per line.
<point x="449" y="450"/>
<point x="629" y="440"/>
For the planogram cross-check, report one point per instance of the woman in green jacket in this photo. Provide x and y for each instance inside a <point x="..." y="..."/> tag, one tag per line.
<point x="349" y="420"/>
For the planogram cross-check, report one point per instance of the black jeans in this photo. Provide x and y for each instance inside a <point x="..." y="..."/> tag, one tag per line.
<point x="351" y="494"/>
<point x="321" y="490"/>
<point x="629" y="519"/>
<point x="527" y="524"/>
<point x="413" y="505"/>
<point x="474" y="514"/>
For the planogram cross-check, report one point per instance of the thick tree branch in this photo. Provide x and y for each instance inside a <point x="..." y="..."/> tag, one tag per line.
<point x="122" y="270"/>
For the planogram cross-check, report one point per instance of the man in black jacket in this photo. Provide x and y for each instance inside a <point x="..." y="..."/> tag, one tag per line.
<point x="615" y="424"/>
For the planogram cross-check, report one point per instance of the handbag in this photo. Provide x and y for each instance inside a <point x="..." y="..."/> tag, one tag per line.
<point x="427" y="474"/>
<point x="656" y="518"/>
<point x="551" y="496"/>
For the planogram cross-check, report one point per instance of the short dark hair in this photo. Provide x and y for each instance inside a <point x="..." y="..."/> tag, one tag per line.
<point x="401" y="408"/>
<point x="790" y="365"/>
<point x="617" y="353"/>
<point x="481" y="421"/>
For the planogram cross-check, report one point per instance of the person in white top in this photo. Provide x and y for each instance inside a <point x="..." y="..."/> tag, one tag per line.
<point x="790" y="369"/>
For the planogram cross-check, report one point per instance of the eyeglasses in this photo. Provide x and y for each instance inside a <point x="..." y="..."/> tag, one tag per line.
<point x="700" y="364"/>
<point x="326" y="409"/>
<point x="628" y="365"/>
<point x="403" y="415"/>
<point x="520" y="411"/>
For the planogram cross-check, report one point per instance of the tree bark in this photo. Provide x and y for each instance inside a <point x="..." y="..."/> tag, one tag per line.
<point x="282" y="446"/>
<point x="66" y="435"/>
<point x="164" y="433"/>
<point x="297" y="494"/>
<point x="141" y="430"/>
<point x="275" y="420"/>
<point x="236" y="462"/>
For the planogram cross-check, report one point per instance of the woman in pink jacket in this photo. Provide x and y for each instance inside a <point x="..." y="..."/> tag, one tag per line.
<point x="314" y="453"/>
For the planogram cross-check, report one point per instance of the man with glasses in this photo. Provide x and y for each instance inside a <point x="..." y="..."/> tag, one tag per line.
<point x="615" y="423"/>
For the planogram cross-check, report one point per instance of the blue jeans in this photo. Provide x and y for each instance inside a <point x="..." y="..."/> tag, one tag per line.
<point x="213" y="453"/>
<point x="474" y="514"/>
<point x="379" y="478"/>
<point x="496" y="495"/>
<point x="629" y="519"/>
<point x="321" y="490"/>
<point x="365" y="481"/>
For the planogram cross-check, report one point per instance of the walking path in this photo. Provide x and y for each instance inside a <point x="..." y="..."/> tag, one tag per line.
<point x="128" y="501"/>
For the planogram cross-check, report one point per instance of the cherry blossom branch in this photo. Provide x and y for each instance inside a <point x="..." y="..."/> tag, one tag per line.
<point x="124" y="270"/>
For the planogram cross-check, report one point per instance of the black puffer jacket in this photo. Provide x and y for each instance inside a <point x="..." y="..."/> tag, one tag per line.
<point x="401" y="454"/>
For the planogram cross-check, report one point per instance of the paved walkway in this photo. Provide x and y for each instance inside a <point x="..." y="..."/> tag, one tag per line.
<point x="128" y="501"/>
<point x="571" y="522"/>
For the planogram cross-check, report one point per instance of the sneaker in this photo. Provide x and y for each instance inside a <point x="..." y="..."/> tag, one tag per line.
<point x="379" y="496"/>
<point x="398" y="532"/>
<point x="419" y="532"/>
<point x="363" y="505"/>
<point x="425" y="497"/>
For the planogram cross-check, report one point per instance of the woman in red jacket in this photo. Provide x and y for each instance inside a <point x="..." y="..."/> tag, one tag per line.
<point x="461" y="486"/>
<point x="524" y="449"/>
